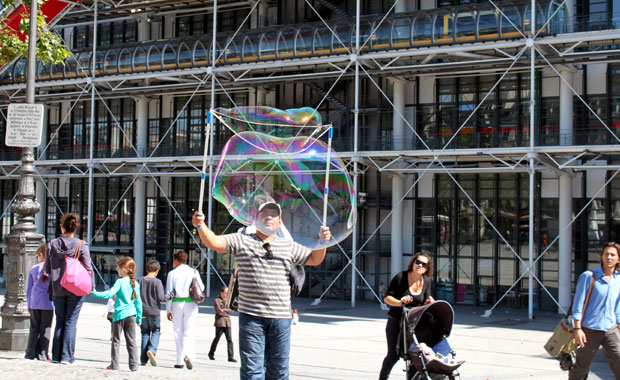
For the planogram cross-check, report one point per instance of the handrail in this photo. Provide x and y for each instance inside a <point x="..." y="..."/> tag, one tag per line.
<point x="443" y="26"/>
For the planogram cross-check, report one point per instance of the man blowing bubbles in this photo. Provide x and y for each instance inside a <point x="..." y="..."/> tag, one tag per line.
<point x="263" y="264"/>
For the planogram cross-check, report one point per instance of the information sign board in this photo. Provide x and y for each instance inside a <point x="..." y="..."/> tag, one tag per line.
<point x="24" y="125"/>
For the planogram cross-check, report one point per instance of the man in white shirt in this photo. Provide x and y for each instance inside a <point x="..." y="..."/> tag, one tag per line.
<point x="182" y="310"/>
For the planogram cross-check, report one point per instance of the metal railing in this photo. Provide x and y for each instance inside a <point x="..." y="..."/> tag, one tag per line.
<point x="443" y="26"/>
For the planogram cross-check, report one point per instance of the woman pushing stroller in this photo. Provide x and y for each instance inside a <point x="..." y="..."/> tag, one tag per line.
<point x="411" y="288"/>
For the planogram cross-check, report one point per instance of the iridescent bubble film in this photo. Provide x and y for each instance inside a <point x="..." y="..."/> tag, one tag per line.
<point x="271" y="121"/>
<point x="255" y="168"/>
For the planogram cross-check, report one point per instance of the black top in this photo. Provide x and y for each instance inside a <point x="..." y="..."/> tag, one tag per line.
<point x="399" y="287"/>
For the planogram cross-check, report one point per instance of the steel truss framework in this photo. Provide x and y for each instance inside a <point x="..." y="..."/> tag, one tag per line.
<point x="531" y="50"/>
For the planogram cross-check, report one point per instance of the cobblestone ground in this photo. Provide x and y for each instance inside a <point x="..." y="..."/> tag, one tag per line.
<point x="331" y="342"/>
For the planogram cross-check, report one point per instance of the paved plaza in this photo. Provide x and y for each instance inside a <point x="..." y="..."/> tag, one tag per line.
<point x="332" y="341"/>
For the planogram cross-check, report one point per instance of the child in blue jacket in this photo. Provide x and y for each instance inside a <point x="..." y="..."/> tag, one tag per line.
<point x="127" y="311"/>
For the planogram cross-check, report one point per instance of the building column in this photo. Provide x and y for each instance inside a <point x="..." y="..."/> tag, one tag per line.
<point x="142" y="115"/>
<point x="397" y="181"/>
<point x="257" y="96"/>
<point x="258" y="18"/>
<point x="566" y="108"/>
<point x="398" y="124"/>
<point x="565" y="202"/>
<point x="144" y="29"/>
<point x="396" y="258"/>
<point x="169" y="25"/>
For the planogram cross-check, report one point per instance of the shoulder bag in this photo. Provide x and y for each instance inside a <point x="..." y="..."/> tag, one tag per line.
<point x="562" y="344"/>
<point x="197" y="294"/>
<point x="296" y="279"/>
<point x="76" y="278"/>
<point x="232" y="297"/>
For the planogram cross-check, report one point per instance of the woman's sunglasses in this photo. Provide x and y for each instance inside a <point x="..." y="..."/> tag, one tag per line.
<point x="418" y="262"/>
<point x="269" y="254"/>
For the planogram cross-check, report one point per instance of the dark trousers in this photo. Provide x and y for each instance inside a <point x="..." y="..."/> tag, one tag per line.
<point x="67" y="310"/>
<point x="40" y="333"/>
<point x="610" y="340"/>
<point x="128" y="326"/>
<point x="110" y="317"/>
<point x="392" y="333"/>
<point x="218" y="334"/>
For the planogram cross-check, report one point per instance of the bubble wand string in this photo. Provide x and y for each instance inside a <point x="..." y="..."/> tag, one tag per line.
<point x="327" y="165"/>
<point x="203" y="174"/>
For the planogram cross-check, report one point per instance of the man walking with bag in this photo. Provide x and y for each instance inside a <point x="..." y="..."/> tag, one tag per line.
<point x="600" y="324"/>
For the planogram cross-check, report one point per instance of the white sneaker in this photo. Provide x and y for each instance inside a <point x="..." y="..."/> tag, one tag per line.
<point x="152" y="358"/>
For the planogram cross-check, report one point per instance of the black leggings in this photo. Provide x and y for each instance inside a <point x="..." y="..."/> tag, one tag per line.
<point x="392" y="333"/>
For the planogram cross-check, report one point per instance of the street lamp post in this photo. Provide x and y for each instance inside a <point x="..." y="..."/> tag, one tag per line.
<point x="24" y="241"/>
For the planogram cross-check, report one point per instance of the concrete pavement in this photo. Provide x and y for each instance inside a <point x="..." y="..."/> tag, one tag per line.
<point x="332" y="341"/>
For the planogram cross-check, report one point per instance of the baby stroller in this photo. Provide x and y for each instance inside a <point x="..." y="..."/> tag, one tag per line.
<point x="427" y="353"/>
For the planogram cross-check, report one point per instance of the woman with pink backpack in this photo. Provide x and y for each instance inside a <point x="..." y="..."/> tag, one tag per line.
<point x="67" y="305"/>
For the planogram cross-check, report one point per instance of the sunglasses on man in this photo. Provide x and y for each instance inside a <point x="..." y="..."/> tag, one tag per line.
<point x="269" y="254"/>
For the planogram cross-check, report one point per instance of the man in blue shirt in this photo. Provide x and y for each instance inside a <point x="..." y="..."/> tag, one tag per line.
<point x="599" y="324"/>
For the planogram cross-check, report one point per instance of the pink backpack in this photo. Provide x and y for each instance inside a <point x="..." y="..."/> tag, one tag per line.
<point x="76" y="278"/>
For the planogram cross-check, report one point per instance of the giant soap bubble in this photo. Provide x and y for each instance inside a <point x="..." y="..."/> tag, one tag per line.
<point x="255" y="167"/>
<point x="272" y="121"/>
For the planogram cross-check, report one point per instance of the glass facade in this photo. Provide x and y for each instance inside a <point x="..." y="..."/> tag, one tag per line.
<point x="114" y="131"/>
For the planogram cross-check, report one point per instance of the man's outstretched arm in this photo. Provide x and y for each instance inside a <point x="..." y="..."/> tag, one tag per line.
<point x="318" y="255"/>
<point x="208" y="237"/>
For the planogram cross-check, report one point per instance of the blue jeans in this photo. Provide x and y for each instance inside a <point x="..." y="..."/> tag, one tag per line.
<point x="67" y="310"/>
<point x="264" y="344"/>
<point x="150" y="336"/>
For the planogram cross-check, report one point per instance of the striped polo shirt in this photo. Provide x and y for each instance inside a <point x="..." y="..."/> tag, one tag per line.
<point x="264" y="289"/>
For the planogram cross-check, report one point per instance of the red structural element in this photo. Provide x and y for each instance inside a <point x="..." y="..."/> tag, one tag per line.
<point x="51" y="9"/>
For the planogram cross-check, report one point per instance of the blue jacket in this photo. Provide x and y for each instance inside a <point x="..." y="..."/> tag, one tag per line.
<point x="603" y="310"/>
<point x="124" y="305"/>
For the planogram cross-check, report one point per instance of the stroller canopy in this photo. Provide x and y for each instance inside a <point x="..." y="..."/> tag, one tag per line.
<point x="431" y="322"/>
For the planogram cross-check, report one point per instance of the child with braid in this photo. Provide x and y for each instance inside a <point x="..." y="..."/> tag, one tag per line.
<point x="127" y="311"/>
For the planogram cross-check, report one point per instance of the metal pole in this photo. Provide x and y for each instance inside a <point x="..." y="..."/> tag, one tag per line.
<point x="355" y="132"/>
<point x="91" y="166"/>
<point x="210" y="131"/>
<point x="530" y="296"/>
<point x="32" y="53"/>
<point x="24" y="240"/>
<point x="327" y="167"/>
